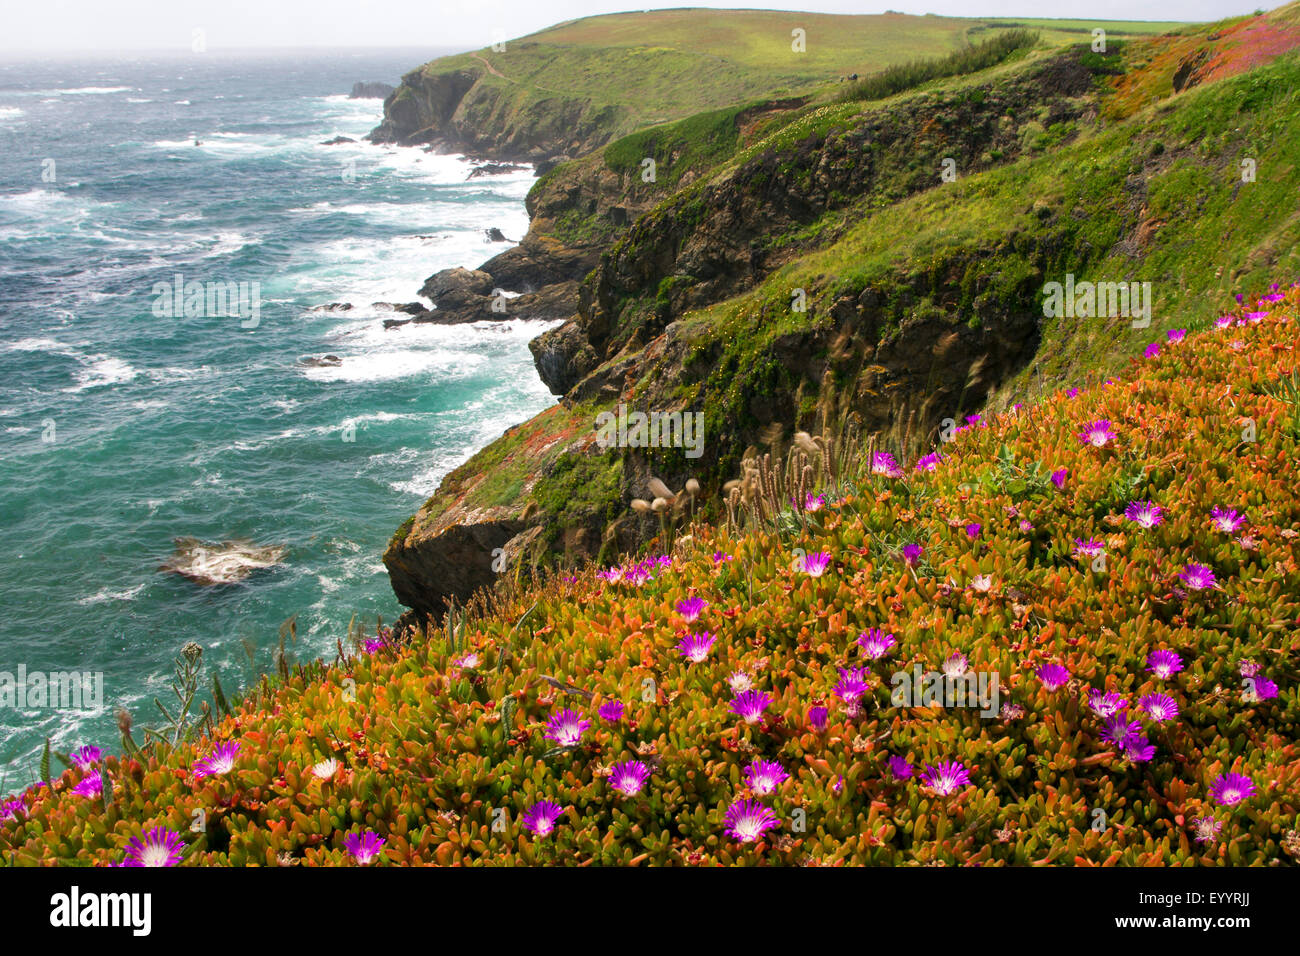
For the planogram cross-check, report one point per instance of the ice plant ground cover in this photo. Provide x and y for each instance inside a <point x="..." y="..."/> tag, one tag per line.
<point x="1158" y="687"/>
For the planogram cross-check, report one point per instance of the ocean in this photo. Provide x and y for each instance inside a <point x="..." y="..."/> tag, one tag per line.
<point x="125" y="426"/>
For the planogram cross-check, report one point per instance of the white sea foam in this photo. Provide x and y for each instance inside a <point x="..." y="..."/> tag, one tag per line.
<point x="104" y="595"/>
<point x="101" y="370"/>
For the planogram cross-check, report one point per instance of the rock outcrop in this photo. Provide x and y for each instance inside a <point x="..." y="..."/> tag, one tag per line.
<point x="370" y="91"/>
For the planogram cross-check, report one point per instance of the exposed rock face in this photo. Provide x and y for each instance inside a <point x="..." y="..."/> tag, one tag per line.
<point x="454" y="110"/>
<point x="370" y="91"/>
<point x="448" y="560"/>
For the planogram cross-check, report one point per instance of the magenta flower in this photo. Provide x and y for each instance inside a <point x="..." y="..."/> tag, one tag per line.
<point x="364" y="847"/>
<point x="883" y="463"/>
<point x="629" y="777"/>
<point x="1053" y="676"/>
<point x="1164" y="664"/>
<point x="1098" y="434"/>
<point x="1145" y="514"/>
<point x="541" y="816"/>
<point x="899" y="768"/>
<point x="1159" y="707"/>
<point x="1229" y="789"/>
<point x="815" y="564"/>
<point x="10" y="809"/>
<point x="566" y="728"/>
<point x="851" y="685"/>
<point x="973" y="530"/>
<point x="1152" y="350"/>
<point x="1247" y="667"/>
<point x="765" y="776"/>
<point x="1026" y="525"/>
<point x="218" y="763"/>
<point x="467" y="661"/>
<point x="1059" y="476"/>
<point x="750" y="705"/>
<point x="1225" y="520"/>
<point x="1120" y="731"/>
<point x="1106" y="704"/>
<point x="159" y="847"/>
<point x="696" y="647"/>
<point x="1259" y="688"/>
<point x="83" y="758"/>
<point x="813" y="503"/>
<point x="1206" y="828"/>
<point x="912" y="553"/>
<point x="1139" y="749"/>
<point x="1092" y="548"/>
<point x="748" y="820"/>
<point x="90" y="786"/>
<point x="1176" y="335"/>
<point x="373" y="645"/>
<point x="928" y="462"/>
<point x="948" y="777"/>
<point x="955" y="664"/>
<point x="875" y="643"/>
<point x="721" y="557"/>
<point x="817" y="717"/>
<point x="1197" y="577"/>
<point x="611" y="711"/>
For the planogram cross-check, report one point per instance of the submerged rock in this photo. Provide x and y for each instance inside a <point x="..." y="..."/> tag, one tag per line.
<point x="320" y="361"/>
<point x="227" y="562"/>
<point x="370" y="91"/>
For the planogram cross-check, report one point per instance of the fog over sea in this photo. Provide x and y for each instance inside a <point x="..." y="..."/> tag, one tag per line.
<point x="121" y="431"/>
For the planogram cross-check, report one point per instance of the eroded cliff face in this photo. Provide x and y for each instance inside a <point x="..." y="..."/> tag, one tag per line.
<point x="897" y="354"/>
<point x="471" y="110"/>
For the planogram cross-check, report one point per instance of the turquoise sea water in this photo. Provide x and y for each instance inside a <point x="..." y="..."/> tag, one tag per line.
<point x="121" y="431"/>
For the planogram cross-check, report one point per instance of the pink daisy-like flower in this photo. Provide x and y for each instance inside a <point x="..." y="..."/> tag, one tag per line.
<point x="1159" y="707"/>
<point x="1106" y="704"/>
<point x="875" y="643"/>
<point x="364" y="847"/>
<point x="1226" y="520"/>
<point x="467" y="661"/>
<point x="629" y="777"/>
<point x="1259" y="688"/>
<point x="1164" y="664"/>
<point x="1139" y="749"/>
<point x="750" y="705"/>
<point x="817" y="717"/>
<point x="1059" y="476"/>
<point x="740" y="681"/>
<point x="1092" y="548"/>
<point x="541" y="816"/>
<point x="1053" y="676"/>
<point x="946" y="778"/>
<point x="721" y="557"/>
<point x="1176" y="335"/>
<point x="813" y="503"/>
<point x="611" y="711"/>
<point x="1248" y="668"/>
<point x="1152" y="350"/>
<point x="765" y="776"/>
<point x="695" y="647"/>
<point x="955" y="664"/>
<point x="928" y="462"/>
<point x="1120" y="731"/>
<point x="690" y="608"/>
<point x="83" y="758"/>
<point x="10" y="809"/>
<point x="218" y="763"/>
<point x="748" y="820"/>
<point x="815" y="565"/>
<point x="1206" y="829"/>
<point x="912" y="553"/>
<point x="567" y="727"/>
<point x="899" y="768"/>
<point x="159" y="847"/>
<point x="851" y="685"/>
<point x="883" y="463"/>
<point x="1197" y="577"/>
<point x="973" y="530"/>
<point x="1144" y="514"/>
<point x="1098" y="434"/>
<point x="90" y="786"/>
<point x="1229" y="789"/>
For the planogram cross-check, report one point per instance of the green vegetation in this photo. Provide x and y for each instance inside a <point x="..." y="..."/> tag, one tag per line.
<point x="905" y="76"/>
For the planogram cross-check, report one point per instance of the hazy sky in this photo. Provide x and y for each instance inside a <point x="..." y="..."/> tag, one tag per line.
<point x="468" y="24"/>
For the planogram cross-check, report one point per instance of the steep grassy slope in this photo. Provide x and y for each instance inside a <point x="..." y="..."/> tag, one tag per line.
<point x="922" y="299"/>
<point x="569" y="89"/>
<point x="1116" y="572"/>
